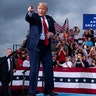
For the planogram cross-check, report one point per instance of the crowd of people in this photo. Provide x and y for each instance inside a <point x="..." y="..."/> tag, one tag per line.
<point x="68" y="50"/>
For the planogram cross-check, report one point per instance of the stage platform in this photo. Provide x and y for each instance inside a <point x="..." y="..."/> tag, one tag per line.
<point x="69" y="94"/>
<point x="59" y="94"/>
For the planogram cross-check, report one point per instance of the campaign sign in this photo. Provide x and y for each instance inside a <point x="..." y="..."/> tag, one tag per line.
<point x="89" y="21"/>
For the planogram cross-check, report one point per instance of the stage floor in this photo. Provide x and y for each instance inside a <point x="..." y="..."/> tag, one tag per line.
<point x="19" y="93"/>
<point x="69" y="94"/>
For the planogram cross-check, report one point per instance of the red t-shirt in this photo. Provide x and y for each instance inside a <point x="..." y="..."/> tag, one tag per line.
<point x="61" y="57"/>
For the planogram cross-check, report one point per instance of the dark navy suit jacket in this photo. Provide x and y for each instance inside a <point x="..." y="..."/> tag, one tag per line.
<point x="4" y="68"/>
<point x="36" y="29"/>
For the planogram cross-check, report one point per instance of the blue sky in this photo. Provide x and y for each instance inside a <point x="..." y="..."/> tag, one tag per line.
<point x="13" y="27"/>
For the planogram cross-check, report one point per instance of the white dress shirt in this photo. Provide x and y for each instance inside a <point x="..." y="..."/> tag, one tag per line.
<point x="9" y="64"/>
<point x="42" y="35"/>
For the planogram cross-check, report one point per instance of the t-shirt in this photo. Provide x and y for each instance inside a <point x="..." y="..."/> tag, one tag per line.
<point x="69" y="63"/>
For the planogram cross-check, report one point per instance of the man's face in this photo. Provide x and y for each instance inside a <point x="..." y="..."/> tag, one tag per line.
<point x="8" y="52"/>
<point x="42" y="10"/>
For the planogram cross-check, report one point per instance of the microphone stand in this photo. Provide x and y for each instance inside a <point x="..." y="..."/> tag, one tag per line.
<point x="24" y="80"/>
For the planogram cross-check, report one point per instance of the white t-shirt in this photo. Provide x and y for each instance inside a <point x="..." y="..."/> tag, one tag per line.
<point x="26" y="63"/>
<point x="69" y="63"/>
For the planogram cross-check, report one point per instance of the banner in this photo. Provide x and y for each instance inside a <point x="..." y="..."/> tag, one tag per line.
<point x="70" y="80"/>
<point x="89" y="21"/>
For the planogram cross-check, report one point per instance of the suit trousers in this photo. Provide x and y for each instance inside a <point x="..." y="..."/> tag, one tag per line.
<point x="5" y="84"/>
<point x="35" y="57"/>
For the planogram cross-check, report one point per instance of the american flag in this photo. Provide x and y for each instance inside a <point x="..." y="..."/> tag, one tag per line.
<point x="66" y="25"/>
<point x="59" y="28"/>
<point x="71" y="80"/>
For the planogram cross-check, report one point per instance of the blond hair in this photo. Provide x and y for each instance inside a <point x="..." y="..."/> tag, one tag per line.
<point x="43" y="4"/>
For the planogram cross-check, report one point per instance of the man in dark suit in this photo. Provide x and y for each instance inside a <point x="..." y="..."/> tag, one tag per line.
<point x="39" y="47"/>
<point x="6" y="65"/>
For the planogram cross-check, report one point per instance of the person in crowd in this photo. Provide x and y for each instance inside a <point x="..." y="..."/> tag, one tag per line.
<point x="76" y="31"/>
<point x="56" y="38"/>
<point x="55" y="62"/>
<point x="39" y="47"/>
<point x="66" y="34"/>
<point x="94" y="41"/>
<point x="84" y="49"/>
<point x="89" y="59"/>
<point x="20" y="56"/>
<point x="7" y="66"/>
<point x="26" y="62"/>
<point x="19" y="62"/>
<point x="88" y="42"/>
<point x="78" y="61"/>
<point x="92" y="35"/>
<point x="84" y="60"/>
<point x="93" y="63"/>
<point x="64" y="43"/>
<point x="68" y="63"/>
<point x="88" y="33"/>
<point x="92" y="52"/>
<point x="61" y="35"/>
<point x="74" y="48"/>
<point x="70" y="47"/>
<point x="71" y="33"/>
<point x="61" y="54"/>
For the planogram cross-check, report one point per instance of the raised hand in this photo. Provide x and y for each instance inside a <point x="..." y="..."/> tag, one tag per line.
<point x="30" y="8"/>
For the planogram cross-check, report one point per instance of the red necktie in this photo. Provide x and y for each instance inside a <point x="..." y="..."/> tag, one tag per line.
<point x="45" y="31"/>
